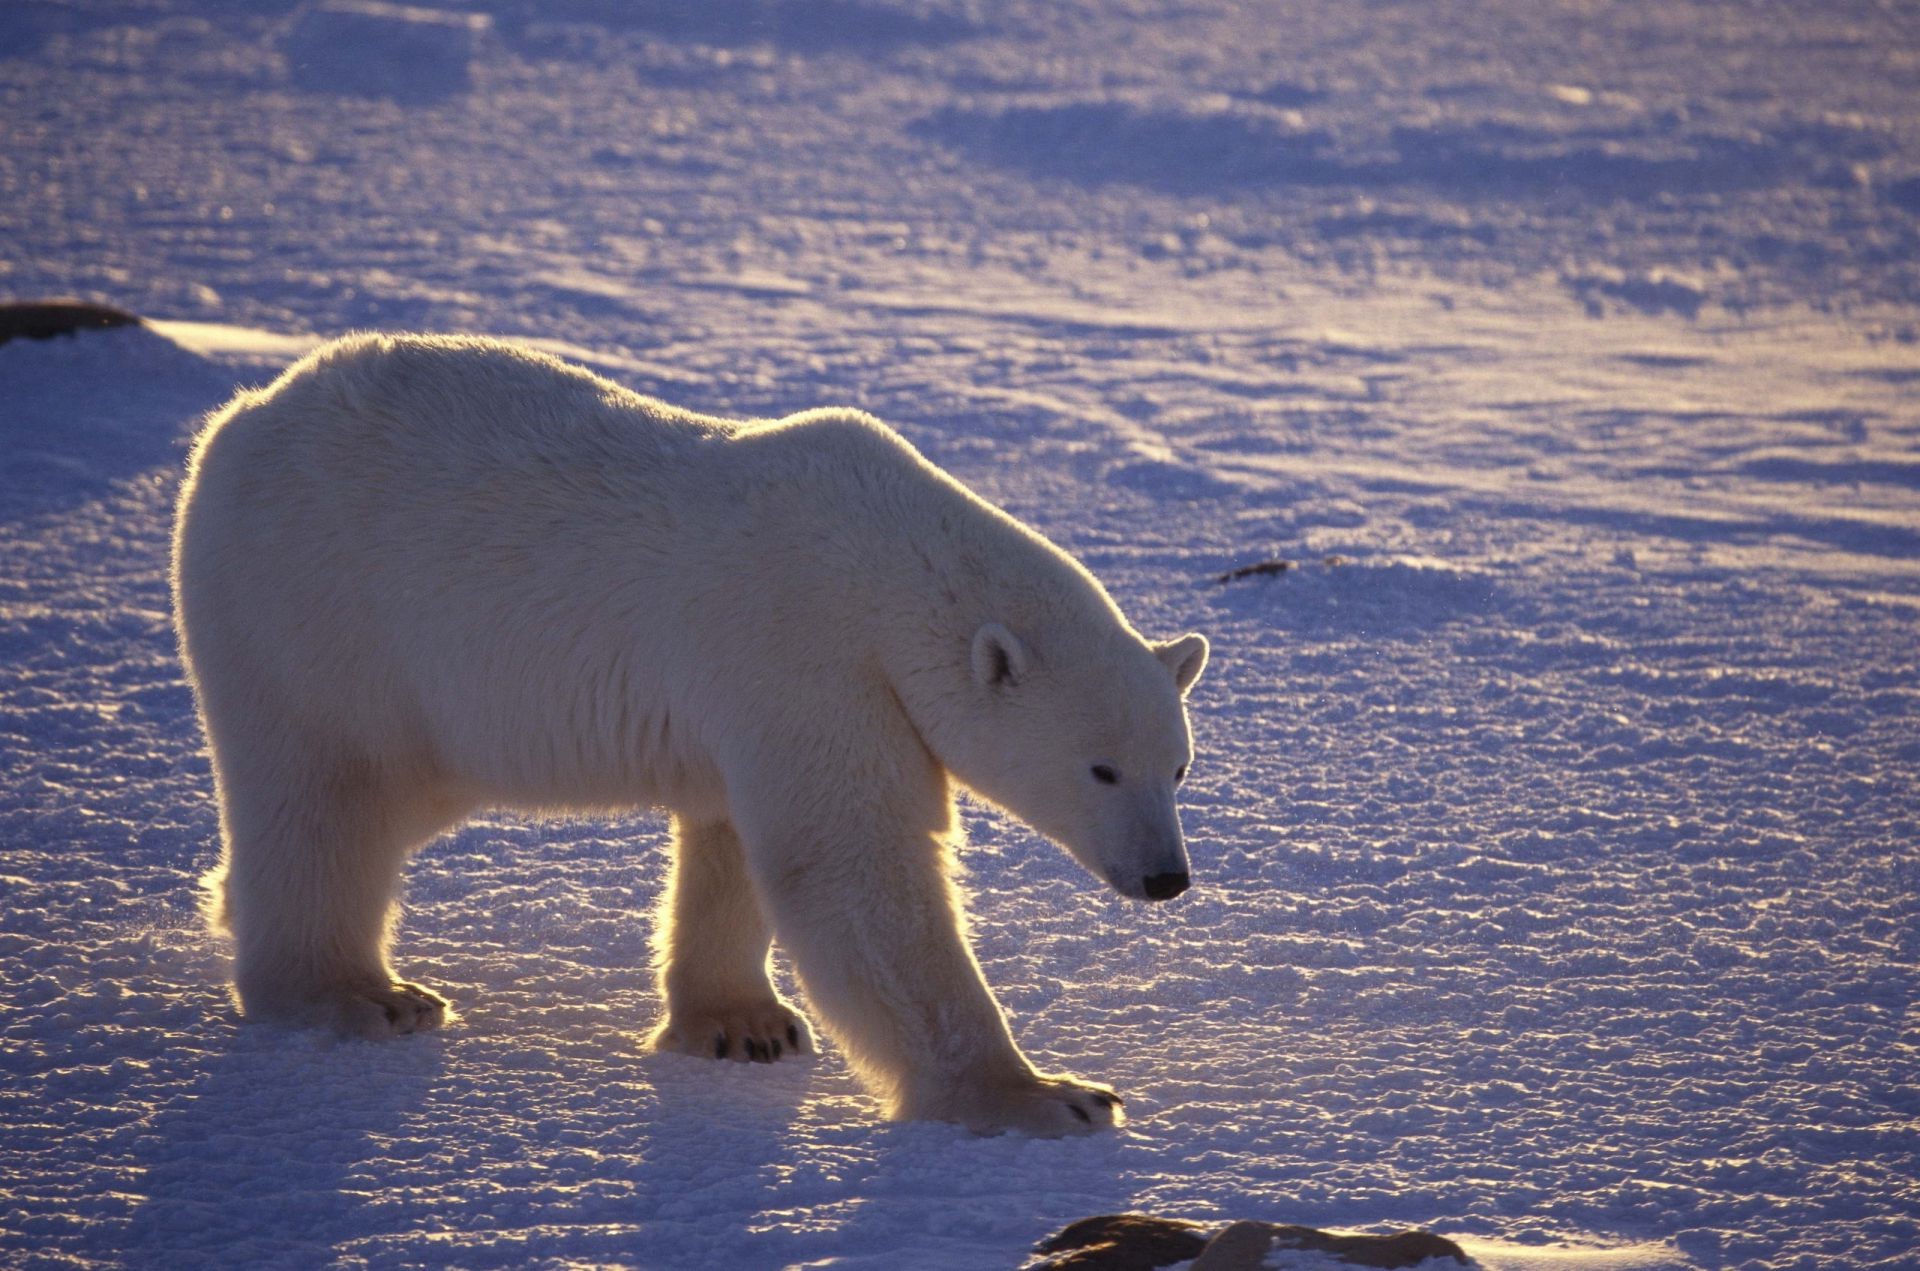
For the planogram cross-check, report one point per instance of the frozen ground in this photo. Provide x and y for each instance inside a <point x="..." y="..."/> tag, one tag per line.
<point x="1557" y="822"/>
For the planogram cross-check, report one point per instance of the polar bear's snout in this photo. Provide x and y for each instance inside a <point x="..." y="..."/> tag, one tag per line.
<point x="1159" y="869"/>
<point x="1161" y="884"/>
<point x="1164" y="886"/>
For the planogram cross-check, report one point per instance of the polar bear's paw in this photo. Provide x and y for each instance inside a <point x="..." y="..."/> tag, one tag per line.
<point x="1044" y="1106"/>
<point x="759" y="1034"/>
<point x="392" y="1010"/>
<point x="359" y="1008"/>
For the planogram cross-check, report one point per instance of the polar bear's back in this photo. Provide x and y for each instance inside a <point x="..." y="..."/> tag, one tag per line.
<point x="450" y="538"/>
<point x="445" y="409"/>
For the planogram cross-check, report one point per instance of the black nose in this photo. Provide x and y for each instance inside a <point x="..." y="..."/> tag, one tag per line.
<point x="1164" y="886"/>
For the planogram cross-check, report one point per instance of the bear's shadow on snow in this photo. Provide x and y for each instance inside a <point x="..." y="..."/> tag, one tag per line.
<point x="732" y="1132"/>
<point x="267" y="1159"/>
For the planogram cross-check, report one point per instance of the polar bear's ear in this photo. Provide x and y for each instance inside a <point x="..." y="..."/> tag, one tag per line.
<point x="1184" y="659"/>
<point x="999" y="659"/>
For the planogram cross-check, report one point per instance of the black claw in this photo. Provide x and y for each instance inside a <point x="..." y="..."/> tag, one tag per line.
<point x="1080" y="1112"/>
<point x="774" y="1046"/>
<point x="720" y="1046"/>
<point x="793" y="1036"/>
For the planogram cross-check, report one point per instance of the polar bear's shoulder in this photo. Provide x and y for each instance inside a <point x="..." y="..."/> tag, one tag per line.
<point x="842" y="439"/>
<point x="833" y="428"/>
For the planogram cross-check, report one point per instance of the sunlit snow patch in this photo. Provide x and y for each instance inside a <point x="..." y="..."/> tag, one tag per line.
<point x="235" y="344"/>
<point x="1489" y="1255"/>
<point x="1499" y="1255"/>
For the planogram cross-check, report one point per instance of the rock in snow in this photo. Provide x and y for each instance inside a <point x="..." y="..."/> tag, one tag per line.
<point x="44" y="319"/>
<point x="1140" y="1242"/>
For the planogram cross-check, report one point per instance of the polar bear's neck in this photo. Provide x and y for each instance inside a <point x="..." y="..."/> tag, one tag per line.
<point x="940" y="548"/>
<point x="926" y="562"/>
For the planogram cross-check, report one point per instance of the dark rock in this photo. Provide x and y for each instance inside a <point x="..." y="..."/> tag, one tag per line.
<point x="1141" y="1242"/>
<point x="1121" y="1242"/>
<point x="44" y="319"/>
<point x="1262" y="569"/>
<point x="1245" y="1246"/>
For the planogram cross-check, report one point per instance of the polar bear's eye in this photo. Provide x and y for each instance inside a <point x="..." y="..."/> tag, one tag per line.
<point x="1105" y="775"/>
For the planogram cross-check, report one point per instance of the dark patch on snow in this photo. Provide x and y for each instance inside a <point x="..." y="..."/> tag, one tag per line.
<point x="1335" y="596"/>
<point x="365" y="48"/>
<point x="803" y="26"/>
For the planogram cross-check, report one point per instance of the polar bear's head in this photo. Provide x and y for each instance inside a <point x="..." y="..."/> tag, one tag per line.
<point x="1087" y="744"/>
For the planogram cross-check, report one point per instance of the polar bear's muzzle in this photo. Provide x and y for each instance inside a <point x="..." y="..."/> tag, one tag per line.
<point x="1164" y="886"/>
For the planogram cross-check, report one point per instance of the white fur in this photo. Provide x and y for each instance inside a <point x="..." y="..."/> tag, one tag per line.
<point x="418" y="576"/>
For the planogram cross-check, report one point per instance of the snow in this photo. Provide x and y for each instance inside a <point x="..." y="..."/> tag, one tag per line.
<point x="1555" y="818"/>
<point x="1496" y="1255"/>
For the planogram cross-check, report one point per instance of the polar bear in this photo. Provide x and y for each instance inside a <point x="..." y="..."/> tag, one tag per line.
<point x="418" y="576"/>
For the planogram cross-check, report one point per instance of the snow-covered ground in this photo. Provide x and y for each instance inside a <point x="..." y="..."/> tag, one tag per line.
<point x="1556" y="826"/>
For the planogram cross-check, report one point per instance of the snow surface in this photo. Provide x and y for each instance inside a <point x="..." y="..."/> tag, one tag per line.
<point x="1555" y="820"/>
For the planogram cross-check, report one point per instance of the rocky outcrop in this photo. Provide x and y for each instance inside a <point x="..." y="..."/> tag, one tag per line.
<point x="44" y="319"/>
<point x="1140" y="1242"/>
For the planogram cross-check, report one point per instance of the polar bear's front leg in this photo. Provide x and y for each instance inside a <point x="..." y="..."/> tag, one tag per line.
<point x="877" y="936"/>
<point x="711" y="944"/>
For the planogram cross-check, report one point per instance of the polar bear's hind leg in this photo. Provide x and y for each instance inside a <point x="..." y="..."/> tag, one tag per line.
<point x="307" y="884"/>
<point x="711" y="941"/>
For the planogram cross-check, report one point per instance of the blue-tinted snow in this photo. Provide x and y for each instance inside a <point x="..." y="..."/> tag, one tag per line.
<point x="1556" y="813"/>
